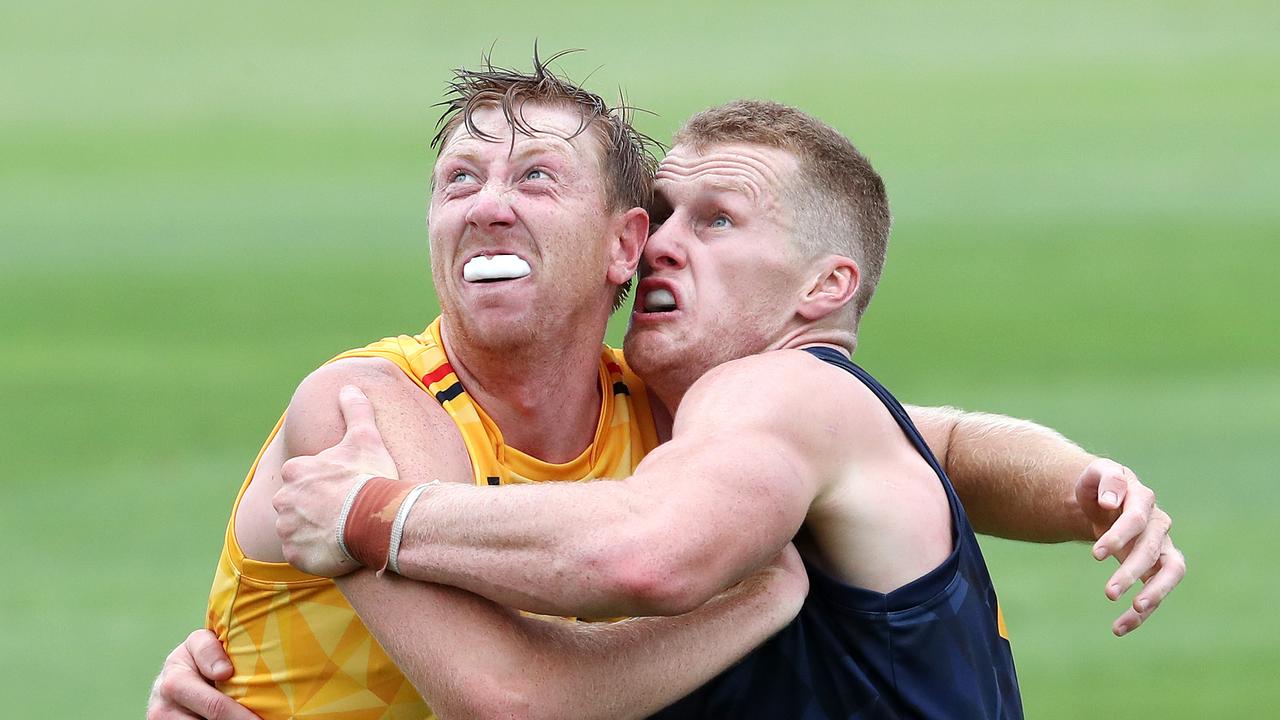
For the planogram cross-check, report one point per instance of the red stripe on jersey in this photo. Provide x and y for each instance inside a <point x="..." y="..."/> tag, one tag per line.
<point x="435" y="375"/>
<point x="614" y="368"/>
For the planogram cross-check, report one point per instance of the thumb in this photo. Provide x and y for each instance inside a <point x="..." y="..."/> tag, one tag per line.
<point x="357" y="413"/>
<point x="1087" y="486"/>
<point x="1112" y="486"/>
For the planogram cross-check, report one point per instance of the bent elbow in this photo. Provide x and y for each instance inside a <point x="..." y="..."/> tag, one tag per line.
<point x="484" y="696"/>
<point x="655" y="583"/>
<point x="511" y="697"/>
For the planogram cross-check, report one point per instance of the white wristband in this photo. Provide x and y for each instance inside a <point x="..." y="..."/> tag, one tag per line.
<point x="346" y="511"/>
<point x="397" y="526"/>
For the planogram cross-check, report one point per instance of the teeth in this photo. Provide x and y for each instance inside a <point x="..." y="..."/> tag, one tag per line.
<point x="659" y="301"/>
<point x="494" y="267"/>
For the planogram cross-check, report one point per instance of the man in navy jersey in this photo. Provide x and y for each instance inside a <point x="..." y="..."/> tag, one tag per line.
<point x="742" y="272"/>
<point x="769" y="234"/>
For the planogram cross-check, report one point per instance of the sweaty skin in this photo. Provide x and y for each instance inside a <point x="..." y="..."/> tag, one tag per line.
<point x="669" y="537"/>
<point x="511" y="199"/>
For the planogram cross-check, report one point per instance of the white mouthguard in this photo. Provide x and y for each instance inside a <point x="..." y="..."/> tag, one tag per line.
<point x="494" y="267"/>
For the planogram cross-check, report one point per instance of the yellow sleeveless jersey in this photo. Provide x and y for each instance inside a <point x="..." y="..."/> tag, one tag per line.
<point x="298" y="648"/>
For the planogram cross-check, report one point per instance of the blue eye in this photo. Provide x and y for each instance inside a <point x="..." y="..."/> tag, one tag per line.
<point x="461" y="176"/>
<point x="537" y="174"/>
<point x="721" y="221"/>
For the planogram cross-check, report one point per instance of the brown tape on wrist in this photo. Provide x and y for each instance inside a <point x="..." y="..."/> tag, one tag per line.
<point x="368" y="531"/>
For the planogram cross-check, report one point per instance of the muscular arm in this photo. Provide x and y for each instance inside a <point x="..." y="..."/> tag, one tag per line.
<point x="472" y="658"/>
<point x="1017" y="479"/>
<point x="732" y="487"/>
<point x="675" y="528"/>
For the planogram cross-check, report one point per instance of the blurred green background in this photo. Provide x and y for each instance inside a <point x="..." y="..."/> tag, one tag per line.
<point x="201" y="202"/>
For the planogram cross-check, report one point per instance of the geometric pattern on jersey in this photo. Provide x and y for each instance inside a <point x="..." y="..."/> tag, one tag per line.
<point x="933" y="648"/>
<point x="298" y="648"/>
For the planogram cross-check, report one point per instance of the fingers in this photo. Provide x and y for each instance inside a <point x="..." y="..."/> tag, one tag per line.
<point x="1167" y="572"/>
<point x="158" y="708"/>
<point x="1140" y="559"/>
<point x="294" y="469"/>
<point x="210" y="657"/>
<point x="188" y="692"/>
<point x="357" y="412"/>
<point x="1134" y="519"/>
<point x="1113" y="486"/>
<point x="183" y="691"/>
<point x="1087" y="488"/>
<point x="1127" y="622"/>
<point x="1100" y="490"/>
<point x="1170" y="570"/>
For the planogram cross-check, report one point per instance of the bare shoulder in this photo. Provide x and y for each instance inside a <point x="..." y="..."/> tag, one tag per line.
<point x="313" y="423"/>
<point x="788" y="401"/>
<point x="781" y="387"/>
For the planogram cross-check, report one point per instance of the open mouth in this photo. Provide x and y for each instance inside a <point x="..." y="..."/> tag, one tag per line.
<point x="658" y="300"/>
<point x="495" y="268"/>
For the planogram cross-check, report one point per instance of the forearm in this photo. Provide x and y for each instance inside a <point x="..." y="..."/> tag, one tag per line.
<point x="556" y="550"/>
<point x="1015" y="478"/>
<point x="687" y="525"/>
<point x="661" y="658"/>
<point x="471" y="658"/>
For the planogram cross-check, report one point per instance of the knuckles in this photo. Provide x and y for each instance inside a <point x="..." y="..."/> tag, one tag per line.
<point x="170" y="685"/>
<point x="365" y="435"/>
<point x="293" y="469"/>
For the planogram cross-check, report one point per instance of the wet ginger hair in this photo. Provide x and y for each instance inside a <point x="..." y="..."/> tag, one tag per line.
<point x="626" y="156"/>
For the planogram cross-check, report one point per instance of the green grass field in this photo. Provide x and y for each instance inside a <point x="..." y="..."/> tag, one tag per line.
<point x="200" y="203"/>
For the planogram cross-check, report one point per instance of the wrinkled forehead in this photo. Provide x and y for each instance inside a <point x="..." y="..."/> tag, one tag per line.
<point x="758" y="172"/>
<point x="555" y="126"/>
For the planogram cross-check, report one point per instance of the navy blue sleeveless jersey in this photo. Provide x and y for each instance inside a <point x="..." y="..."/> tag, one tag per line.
<point x="933" y="648"/>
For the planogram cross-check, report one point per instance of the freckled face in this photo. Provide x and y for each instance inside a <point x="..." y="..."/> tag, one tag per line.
<point x="720" y="279"/>
<point x="537" y="208"/>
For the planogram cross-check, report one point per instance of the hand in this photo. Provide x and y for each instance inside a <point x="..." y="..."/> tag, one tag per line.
<point x="315" y="487"/>
<point x="1130" y="527"/>
<point x="184" y="688"/>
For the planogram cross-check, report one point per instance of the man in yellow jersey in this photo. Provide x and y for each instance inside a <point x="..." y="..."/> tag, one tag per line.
<point x="524" y="369"/>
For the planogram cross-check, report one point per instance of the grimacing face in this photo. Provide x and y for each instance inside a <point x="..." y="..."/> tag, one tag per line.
<point x="720" y="277"/>
<point x="536" y="208"/>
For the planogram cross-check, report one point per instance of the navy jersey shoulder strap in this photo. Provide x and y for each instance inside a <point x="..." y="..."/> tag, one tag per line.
<point x="835" y="357"/>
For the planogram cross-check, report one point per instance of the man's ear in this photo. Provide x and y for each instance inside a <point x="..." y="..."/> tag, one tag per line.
<point x="835" y="282"/>
<point x="629" y="235"/>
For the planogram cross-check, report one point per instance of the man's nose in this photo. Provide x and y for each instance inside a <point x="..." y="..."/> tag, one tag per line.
<point x="665" y="248"/>
<point x="490" y="208"/>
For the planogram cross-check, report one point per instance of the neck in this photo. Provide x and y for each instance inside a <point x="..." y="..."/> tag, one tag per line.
<point x="544" y="397"/>
<point x="670" y="386"/>
<point x="839" y="338"/>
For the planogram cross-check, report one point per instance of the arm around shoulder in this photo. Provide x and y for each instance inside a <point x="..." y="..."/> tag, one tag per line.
<point x="314" y="422"/>
<point x="470" y="658"/>
<point x="716" y="502"/>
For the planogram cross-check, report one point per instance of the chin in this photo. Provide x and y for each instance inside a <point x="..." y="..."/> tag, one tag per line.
<point x="656" y="356"/>
<point x="496" y="329"/>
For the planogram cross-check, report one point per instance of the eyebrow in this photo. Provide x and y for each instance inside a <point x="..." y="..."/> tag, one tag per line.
<point x="738" y="188"/>
<point x="522" y="150"/>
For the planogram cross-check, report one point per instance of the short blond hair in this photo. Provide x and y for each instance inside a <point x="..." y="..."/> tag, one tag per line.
<point x="839" y="200"/>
